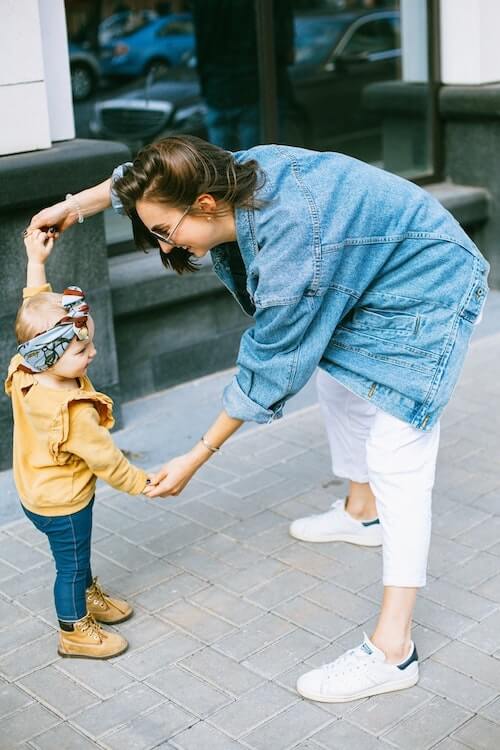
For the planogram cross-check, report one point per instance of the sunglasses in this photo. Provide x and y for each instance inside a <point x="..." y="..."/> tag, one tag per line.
<point x="168" y="239"/>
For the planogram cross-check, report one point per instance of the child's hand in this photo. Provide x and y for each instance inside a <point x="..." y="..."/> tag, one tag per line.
<point x="38" y="245"/>
<point x="173" y="476"/>
<point x="149" y="485"/>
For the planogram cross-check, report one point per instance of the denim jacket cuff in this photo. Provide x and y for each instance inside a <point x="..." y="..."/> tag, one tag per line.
<point x="239" y="406"/>
<point x="117" y="173"/>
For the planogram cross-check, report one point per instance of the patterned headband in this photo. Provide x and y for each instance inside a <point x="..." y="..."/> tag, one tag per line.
<point x="43" y="351"/>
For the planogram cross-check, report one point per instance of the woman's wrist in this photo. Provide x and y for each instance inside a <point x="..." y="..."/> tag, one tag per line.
<point x="200" y="454"/>
<point x="211" y="441"/>
<point x="88" y="202"/>
<point x="75" y="209"/>
<point x="70" y="211"/>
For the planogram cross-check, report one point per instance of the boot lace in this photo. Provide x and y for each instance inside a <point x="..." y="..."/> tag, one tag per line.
<point x="88" y="626"/>
<point x="96" y="596"/>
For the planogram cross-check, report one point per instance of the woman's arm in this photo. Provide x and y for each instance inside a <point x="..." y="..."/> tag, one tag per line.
<point x="174" y="475"/>
<point x="64" y="214"/>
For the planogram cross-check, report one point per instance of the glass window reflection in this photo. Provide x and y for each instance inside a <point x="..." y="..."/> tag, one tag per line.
<point x="142" y="70"/>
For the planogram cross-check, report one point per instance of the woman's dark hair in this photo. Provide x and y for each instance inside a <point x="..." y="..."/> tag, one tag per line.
<point x="175" y="171"/>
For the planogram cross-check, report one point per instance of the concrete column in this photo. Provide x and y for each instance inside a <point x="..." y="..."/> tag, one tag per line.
<point x="54" y="37"/>
<point x="469" y="41"/>
<point x="23" y="94"/>
<point x="35" y="84"/>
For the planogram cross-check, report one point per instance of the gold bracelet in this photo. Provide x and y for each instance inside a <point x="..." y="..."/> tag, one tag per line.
<point x="208" y="446"/>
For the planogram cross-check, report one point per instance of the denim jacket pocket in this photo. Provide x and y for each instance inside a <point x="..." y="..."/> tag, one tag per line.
<point x="392" y="322"/>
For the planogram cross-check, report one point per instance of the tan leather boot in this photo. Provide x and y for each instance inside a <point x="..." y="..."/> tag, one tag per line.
<point x="106" y="608"/>
<point x="89" y="641"/>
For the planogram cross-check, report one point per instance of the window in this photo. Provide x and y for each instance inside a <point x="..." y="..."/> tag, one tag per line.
<point x="373" y="36"/>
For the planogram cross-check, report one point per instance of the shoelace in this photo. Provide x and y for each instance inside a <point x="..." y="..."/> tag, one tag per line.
<point x="353" y="659"/>
<point x="88" y="626"/>
<point x="96" y="595"/>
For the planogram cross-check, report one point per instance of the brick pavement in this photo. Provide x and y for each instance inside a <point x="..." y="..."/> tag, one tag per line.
<point x="230" y="610"/>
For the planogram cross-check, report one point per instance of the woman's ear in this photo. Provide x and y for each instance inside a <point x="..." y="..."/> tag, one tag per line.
<point x="206" y="203"/>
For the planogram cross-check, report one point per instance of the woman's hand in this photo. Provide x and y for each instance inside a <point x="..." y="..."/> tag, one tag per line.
<point x="173" y="476"/>
<point x="63" y="215"/>
<point x="56" y="218"/>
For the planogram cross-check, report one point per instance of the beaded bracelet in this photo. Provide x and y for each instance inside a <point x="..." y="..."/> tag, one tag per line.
<point x="71" y="198"/>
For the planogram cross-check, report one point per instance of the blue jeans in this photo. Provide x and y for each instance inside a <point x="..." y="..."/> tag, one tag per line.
<point x="69" y="538"/>
<point x="234" y="128"/>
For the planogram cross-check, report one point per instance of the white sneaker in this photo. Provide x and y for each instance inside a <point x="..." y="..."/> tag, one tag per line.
<point x="359" y="673"/>
<point x="336" y="525"/>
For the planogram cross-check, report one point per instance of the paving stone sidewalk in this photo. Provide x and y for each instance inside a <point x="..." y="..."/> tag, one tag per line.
<point x="230" y="610"/>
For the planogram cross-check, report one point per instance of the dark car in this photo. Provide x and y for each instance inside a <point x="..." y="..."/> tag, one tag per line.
<point x="336" y="56"/>
<point x="159" y="107"/>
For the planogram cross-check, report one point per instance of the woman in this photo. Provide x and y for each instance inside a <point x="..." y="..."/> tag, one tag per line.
<point x="343" y="266"/>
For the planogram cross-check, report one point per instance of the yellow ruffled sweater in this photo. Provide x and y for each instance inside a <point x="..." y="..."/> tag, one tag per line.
<point x="62" y="443"/>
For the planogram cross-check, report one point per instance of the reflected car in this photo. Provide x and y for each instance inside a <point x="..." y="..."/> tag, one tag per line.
<point x="336" y="56"/>
<point x="159" y="107"/>
<point x="123" y="22"/>
<point x="156" y="46"/>
<point x="85" y="71"/>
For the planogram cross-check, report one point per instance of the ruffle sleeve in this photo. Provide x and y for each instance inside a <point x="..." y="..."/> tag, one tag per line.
<point x="60" y="428"/>
<point x="24" y="376"/>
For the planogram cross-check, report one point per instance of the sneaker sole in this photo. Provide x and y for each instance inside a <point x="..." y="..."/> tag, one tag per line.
<point x="336" y="538"/>
<point x="88" y="656"/>
<point x="387" y="688"/>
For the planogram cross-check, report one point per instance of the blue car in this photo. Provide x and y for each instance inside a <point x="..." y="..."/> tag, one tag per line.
<point x="155" y="47"/>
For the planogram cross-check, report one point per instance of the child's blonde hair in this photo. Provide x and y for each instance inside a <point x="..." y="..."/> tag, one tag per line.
<point x="37" y="314"/>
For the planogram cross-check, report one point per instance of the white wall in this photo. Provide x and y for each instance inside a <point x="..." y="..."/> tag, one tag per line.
<point x="469" y="41"/>
<point x="56" y="63"/>
<point x="35" y="88"/>
<point x="23" y="97"/>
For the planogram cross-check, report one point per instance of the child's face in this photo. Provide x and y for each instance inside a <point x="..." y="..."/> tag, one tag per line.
<point x="77" y="357"/>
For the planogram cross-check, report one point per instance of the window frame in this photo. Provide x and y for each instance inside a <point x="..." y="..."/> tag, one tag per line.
<point x="359" y="23"/>
<point x="433" y="124"/>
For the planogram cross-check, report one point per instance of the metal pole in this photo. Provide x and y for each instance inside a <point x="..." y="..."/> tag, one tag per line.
<point x="267" y="70"/>
<point x="434" y="53"/>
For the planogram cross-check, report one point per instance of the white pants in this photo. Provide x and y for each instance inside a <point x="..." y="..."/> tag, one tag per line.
<point x="399" y="462"/>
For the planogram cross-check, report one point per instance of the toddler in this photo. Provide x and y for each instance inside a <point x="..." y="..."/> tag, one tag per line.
<point x="61" y="445"/>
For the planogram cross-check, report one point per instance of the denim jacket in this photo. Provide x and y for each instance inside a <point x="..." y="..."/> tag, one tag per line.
<point x="357" y="271"/>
